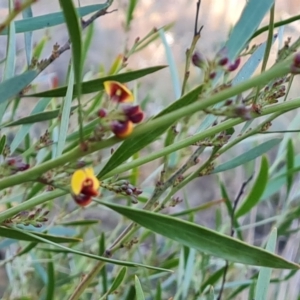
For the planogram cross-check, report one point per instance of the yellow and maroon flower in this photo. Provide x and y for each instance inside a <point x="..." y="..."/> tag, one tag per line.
<point x="118" y="92"/>
<point x="122" y="129"/>
<point x="84" y="186"/>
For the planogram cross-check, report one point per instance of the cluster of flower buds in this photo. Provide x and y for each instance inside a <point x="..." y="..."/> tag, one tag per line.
<point x="232" y="111"/>
<point x="217" y="141"/>
<point x="26" y="218"/>
<point x="220" y="62"/>
<point x="295" y="67"/>
<point x="123" y="187"/>
<point x="122" y="120"/>
<point x="13" y="165"/>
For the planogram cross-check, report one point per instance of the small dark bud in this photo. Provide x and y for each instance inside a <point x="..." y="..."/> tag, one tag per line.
<point x="212" y="75"/>
<point x="235" y="65"/>
<point x="223" y="61"/>
<point x="102" y="113"/>
<point x="228" y="102"/>
<point x="129" y="192"/>
<point x="243" y="112"/>
<point x="297" y="60"/>
<point x="199" y="60"/>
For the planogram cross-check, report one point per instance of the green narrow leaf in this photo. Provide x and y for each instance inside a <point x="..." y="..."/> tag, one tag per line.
<point x="264" y="275"/>
<point x="37" y="117"/>
<point x="212" y="279"/>
<point x="27" y="14"/>
<point x="96" y="85"/>
<point x="132" y="145"/>
<point x="172" y="65"/>
<point x="103" y="272"/>
<point x="247" y="156"/>
<point x="249" y="21"/>
<point x="290" y="156"/>
<point x="203" y="239"/>
<point x="24" y="130"/>
<point x="138" y="289"/>
<point x="50" y="279"/>
<point x="9" y="70"/>
<point x="80" y="223"/>
<point x="158" y="293"/>
<point x="13" y="86"/>
<point x="131" y="7"/>
<point x="87" y="41"/>
<point x="65" y="116"/>
<point x="52" y="19"/>
<point x="117" y="281"/>
<point x="10" y="62"/>
<point x="34" y="236"/>
<point x="257" y="190"/>
<point x="65" y="249"/>
<point x="2" y="143"/>
<point x="74" y="28"/>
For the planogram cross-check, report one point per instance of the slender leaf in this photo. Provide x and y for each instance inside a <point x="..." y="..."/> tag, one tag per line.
<point x="264" y="275"/>
<point x="172" y="65"/>
<point x="257" y="190"/>
<point x="74" y="29"/>
<point x="80" y="223"/>
<point x="247" y="156"/>
<point x="96" y="85"/>
<point x="249" y="21"/>
<point x="24" y="130"/>
<point x="52" y="19"/>
<point x="138" y="289"/>
<point x="37" y="117"/>
<point x="109" y="260"/>
<point x="10" y="60"/>
<point x="27" y="14"/>
<point x="13" y="86"/>
<point x="131" y="7"/>
<point x="290" y="157"/>
<point x="212" y="279"/>
<point x="50" y="279"/>
<point x="34" y="237"/>
<point x="203" y="239"/>
<point x="65" y="116"/>
<point x="2" y="143"/>
<point x="117" y="281"/>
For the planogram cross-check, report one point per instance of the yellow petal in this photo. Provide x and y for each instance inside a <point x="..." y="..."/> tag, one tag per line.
<point x="78" y="177"/>
<point x="90" y="175"/>
<point x="89" y="172"/>
<point x="118" y="91"/>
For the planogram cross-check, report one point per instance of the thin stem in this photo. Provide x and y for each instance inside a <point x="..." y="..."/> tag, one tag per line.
<point x="277" y="24"/>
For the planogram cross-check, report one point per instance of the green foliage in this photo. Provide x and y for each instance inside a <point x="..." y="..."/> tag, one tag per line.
<point x="174" y="216"/>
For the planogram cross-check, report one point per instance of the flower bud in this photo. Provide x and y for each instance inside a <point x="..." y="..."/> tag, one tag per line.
<point x="199" y="60"/>
<point x="232" y="67"/>
<point x="122" y="129"/>
<point x="102" y="113"/>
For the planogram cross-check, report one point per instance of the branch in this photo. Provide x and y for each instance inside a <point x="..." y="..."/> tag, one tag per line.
<point x="59" y="50"/>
